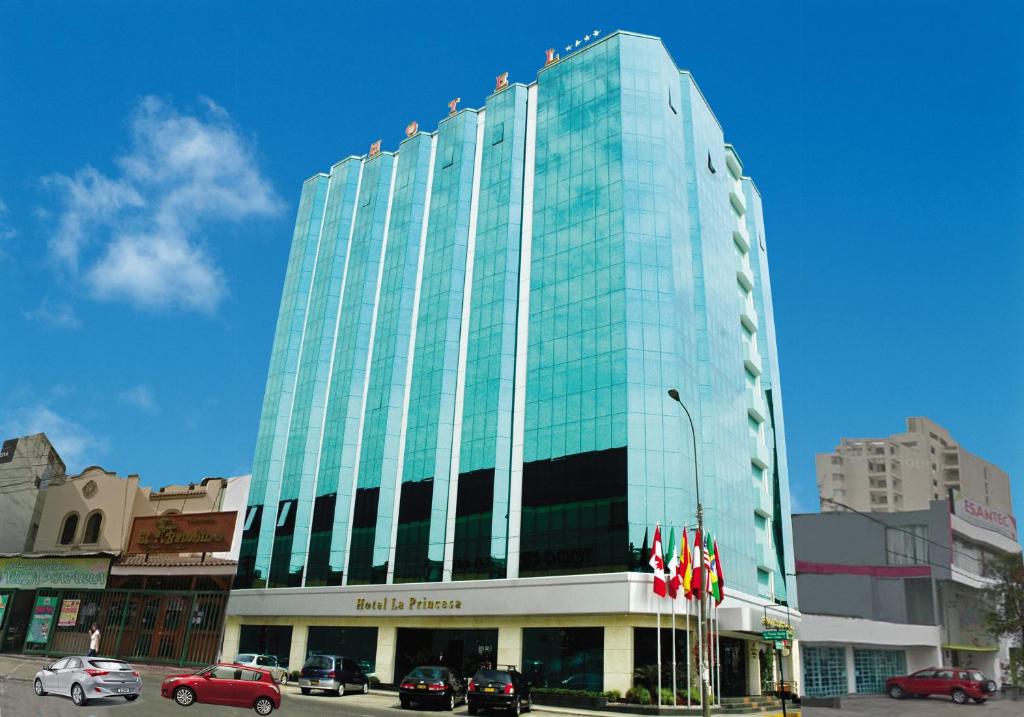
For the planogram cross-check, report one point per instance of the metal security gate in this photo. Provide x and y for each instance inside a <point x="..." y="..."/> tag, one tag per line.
<point x="170" y="627"/>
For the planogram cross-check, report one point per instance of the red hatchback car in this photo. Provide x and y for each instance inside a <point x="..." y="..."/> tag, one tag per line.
<point x="958" y="683"/>
<point x="222" y="684"/>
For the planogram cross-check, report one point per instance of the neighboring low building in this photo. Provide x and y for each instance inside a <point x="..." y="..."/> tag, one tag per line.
<point x="887" y="593"/>
<point x="27" y="464"/>
<point x="151" y="568"/>
<point x="906" y="471"/>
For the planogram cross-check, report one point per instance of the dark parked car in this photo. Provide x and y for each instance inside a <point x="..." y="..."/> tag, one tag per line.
<point x="503" y="689"/>
<point x="960" y="684"/>
<point x="222" y="684"/>
<point x="334" y="674"/>
<point x="437" y="686"/>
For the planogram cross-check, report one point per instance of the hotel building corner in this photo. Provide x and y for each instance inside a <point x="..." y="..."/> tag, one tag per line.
<point x="465" y="439"/>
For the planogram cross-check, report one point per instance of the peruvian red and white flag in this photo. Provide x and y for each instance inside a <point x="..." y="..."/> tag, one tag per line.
<point x="658" y="563"/>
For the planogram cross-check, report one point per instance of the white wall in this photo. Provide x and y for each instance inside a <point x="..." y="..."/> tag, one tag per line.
<point x="235" y="496"/>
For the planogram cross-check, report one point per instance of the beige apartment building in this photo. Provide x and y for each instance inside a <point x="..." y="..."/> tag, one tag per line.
<point x="27" y="465"/>
<point x="906" y="471"/>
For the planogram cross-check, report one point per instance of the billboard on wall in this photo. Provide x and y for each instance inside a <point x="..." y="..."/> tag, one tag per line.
<point x="8" y="449"/>
<point x="32" y="573"/>
<point x="183" y="533"/>
<point x="982" y="516"/>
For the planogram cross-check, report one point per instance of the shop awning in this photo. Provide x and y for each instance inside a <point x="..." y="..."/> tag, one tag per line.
<point x="969" y="648"/>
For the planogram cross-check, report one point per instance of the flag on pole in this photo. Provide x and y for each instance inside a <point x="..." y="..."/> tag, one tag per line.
<point x="720" y="595"/>
<point x="658" y="563"/>
<point x="685" y="566"/>
<point x="697" y="581"/>
<point x="673" y="565"/>
<point x="712" y="570"/>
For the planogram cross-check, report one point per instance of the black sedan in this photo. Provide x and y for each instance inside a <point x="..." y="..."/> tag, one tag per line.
<point x="431" y="686"/>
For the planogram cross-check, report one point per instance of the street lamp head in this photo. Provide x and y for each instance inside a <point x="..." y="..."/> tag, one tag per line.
<point x="674" y="394"/>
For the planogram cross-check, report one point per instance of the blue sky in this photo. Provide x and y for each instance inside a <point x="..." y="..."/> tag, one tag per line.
<point x="151" y="157"/>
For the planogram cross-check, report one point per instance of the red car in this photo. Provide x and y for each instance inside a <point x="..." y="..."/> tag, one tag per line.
<point x="225" y="684"/>
<point x="960" y="684"/>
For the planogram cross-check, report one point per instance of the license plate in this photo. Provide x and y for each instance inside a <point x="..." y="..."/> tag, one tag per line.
<point x="421" y="687"/>
<point x="488" y="689"/>
<point x="122" y="689"/>
<point x="314" y="682"/>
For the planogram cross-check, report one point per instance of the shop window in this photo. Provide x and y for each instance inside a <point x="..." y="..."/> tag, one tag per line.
<point x="873" y="667"/>
<point x="824" y="671"/>
<point x="358" y="643"/>
<point x="93" y="525"/>
<point x="566" y="658"/>
<point x="273" y="640"/>
<point x="645" y="656"/>
<point x="462" y="651"/>
<point x="67" y="532"/>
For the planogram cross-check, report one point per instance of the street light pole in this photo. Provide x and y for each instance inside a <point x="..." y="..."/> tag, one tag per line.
<point x="705" y="708"/>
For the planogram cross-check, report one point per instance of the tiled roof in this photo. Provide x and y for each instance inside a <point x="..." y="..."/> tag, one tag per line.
<point x="171" y="561"/>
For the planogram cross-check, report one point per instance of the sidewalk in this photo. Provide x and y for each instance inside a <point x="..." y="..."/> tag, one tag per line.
<point x="17" y="667"/>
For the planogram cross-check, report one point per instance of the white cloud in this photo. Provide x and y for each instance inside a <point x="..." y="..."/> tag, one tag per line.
<point x="140" y="397"/>
<point x="139" y="235"/>
<point x="75" y="443"/>
<point x="57" y="315"/>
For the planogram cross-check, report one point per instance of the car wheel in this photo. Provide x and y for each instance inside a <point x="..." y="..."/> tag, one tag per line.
<point x="78" y="695"/>
<point x="131" y="698"/>
<point x="404" y="702"/>
<point x="304" y="690"/>
<point x="451" y="702"/>
<point x="341" y="689"/>
<point x="960" y="697"/>
<point x="515" y="708"/>
<point x="366" y="688"/>
<point x="263" y="706"/>
<point x="529" y="703"/>
<point x="184" y="696"/>
<point x="980" y="700"/>
<point x="897" y="693"/>
<point x="284" y="678"/>
<point x="38" y="687"/>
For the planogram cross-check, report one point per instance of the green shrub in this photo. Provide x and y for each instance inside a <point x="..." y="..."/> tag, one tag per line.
<point x="374" y="682"/>
<point x="638" y="696"/>
<point x="667" y="698"/>
<point x="294" y="675"/>
<point x="613" y="695"/>
<point x="563" y="691"/>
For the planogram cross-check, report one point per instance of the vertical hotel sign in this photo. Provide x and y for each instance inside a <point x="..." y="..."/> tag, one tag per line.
<point x="982" y="516"/>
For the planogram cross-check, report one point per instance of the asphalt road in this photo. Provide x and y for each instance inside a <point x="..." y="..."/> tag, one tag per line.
<point x="928" y="707"/>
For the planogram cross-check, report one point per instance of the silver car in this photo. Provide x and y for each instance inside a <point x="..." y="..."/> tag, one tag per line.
<point x="87" y="678"/>
<point x="266" y="662"/>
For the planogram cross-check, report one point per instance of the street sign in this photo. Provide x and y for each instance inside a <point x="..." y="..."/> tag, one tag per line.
<point x="776" y="634"/>
<point x="779" y="644"/>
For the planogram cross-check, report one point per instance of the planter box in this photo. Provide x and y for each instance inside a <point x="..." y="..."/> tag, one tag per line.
<point x="580" y="702"/>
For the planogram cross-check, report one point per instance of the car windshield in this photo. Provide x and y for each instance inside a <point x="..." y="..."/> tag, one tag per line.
<point x="110" y="665"/>
<point x="245" y="658"/>
<point x="492" y="676"/>
<point x="320" y="662"/>
<point x="427" y="673"/>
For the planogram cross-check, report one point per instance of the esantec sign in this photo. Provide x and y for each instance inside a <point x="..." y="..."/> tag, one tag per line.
<point x="982" y="516"/>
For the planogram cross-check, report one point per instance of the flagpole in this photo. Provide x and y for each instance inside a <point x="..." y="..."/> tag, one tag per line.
<point x="687" y="603"/>
<point x="718" y="656"/>
<point x="658" y="603"/>
<point x="675" y="696"/>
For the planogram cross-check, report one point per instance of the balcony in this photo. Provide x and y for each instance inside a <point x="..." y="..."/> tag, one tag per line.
<point x="748" y="315"/>
<point x="759" y="453"/>
<point x="752" y="359"/>
<point x="739" y="202"/>
<point x="745" y="276"/>
<point x="741" y="238"/>
<point x="756" y="406"/>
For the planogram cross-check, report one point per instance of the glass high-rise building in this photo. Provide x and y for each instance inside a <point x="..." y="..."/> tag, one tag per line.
<point x="468" y="385"/>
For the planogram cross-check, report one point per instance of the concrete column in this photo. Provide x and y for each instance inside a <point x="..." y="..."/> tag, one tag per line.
<point x="229" y="645"/>
<point x="510" y="646"/>
<point x="851" y="672"/>
<point x="385" y="660"/>
<point x="297" y="652"/>
<point x="618" y="658"/>
<point x="753" y="668"/>
<point x="796" y="666"/>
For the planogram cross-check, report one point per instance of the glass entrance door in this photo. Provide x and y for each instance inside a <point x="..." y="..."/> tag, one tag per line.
<point x="733" y="666"/>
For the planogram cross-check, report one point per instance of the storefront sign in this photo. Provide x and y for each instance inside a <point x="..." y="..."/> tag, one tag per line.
<point x="8" y="449"/>
<point x="32" y="573"/>
<point x="982" y="516"/>
<point x="42" y="616"/>
<point x="776" y="635"/>
<point x="183" y="533"/>
<point x="68" y="613"/>
<point x="387" y="603"/>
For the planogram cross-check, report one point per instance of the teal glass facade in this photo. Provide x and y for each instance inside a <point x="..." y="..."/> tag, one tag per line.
<point x="477" y="333"/>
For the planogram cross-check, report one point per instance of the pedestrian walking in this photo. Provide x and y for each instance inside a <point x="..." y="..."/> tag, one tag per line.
<point x="94" y="640"/>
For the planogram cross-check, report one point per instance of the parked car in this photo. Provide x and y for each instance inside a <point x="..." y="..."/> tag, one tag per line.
<point x="431" y="685"/>
<point x="334" y="674"/>
<point x="502" y="689"/>
<point x="960" y="684"/>
<point x="264" y="662"/>
<point x="224" y="684"/>
<point x="86" y="678"/>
